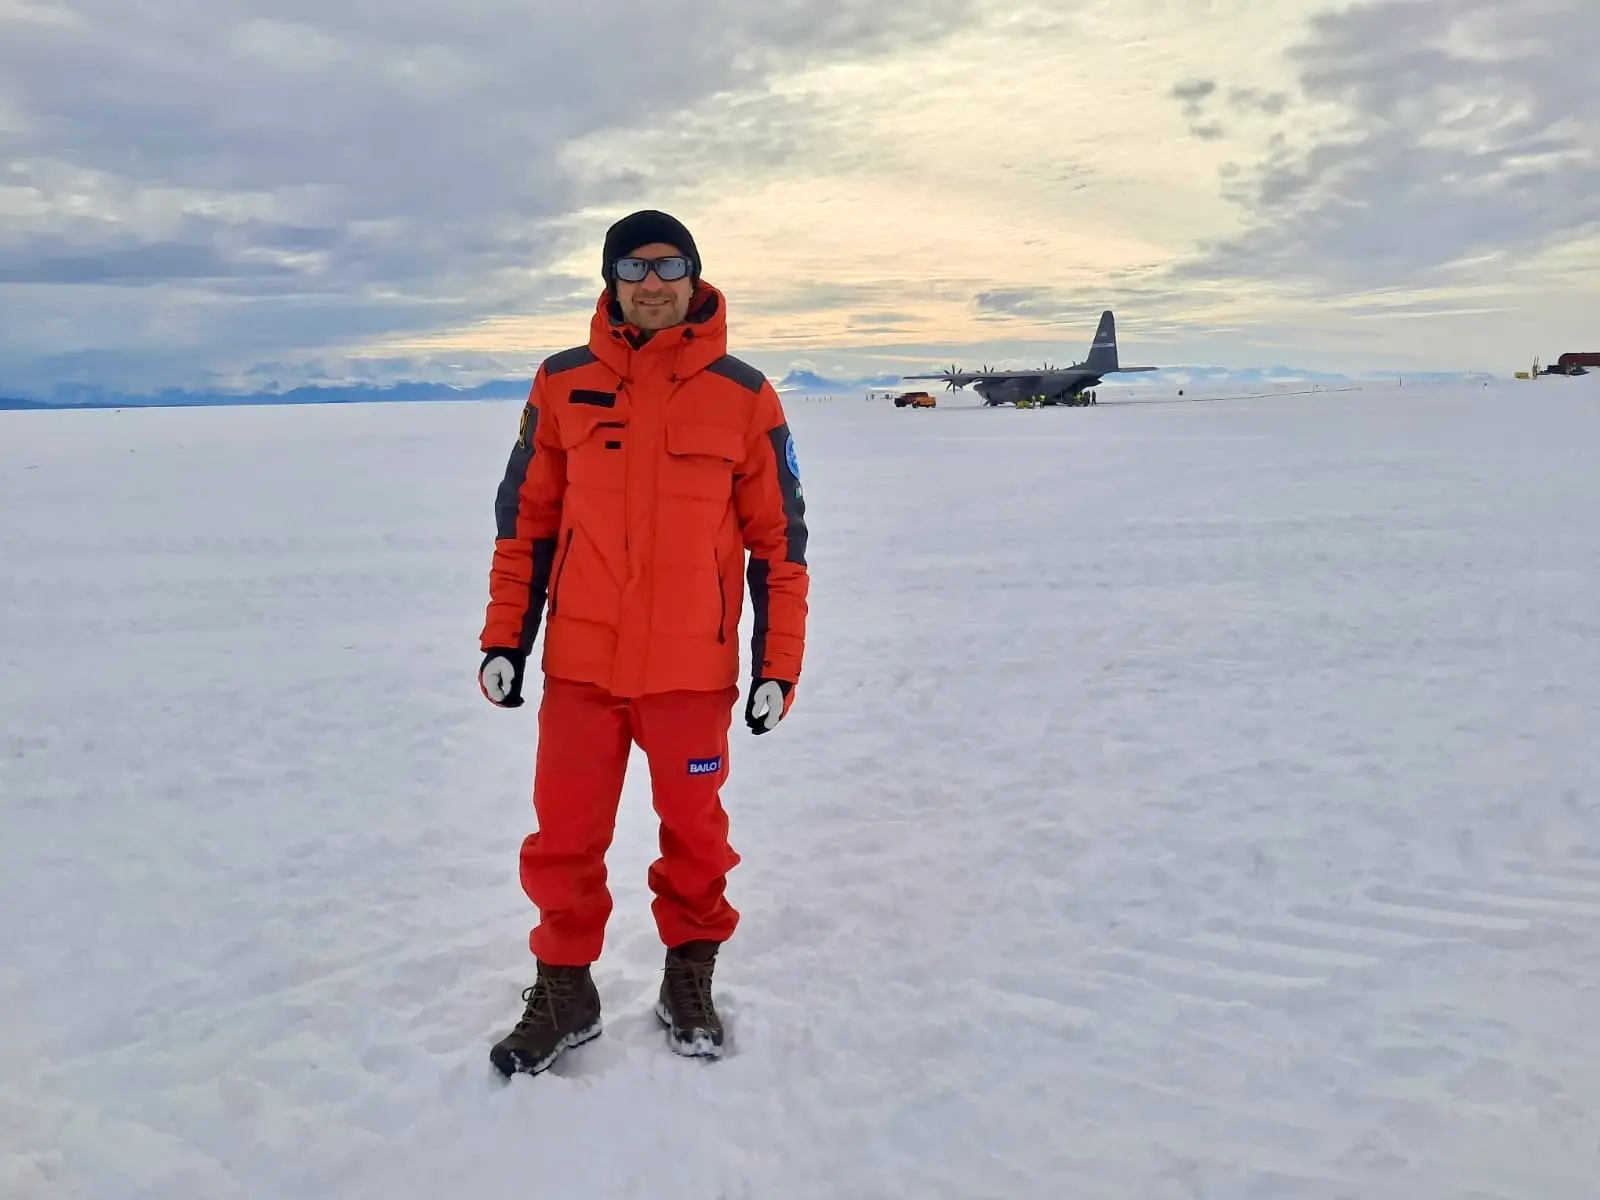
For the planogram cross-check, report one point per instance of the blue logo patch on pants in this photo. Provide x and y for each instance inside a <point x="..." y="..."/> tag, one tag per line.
<point x="705" y="766"/>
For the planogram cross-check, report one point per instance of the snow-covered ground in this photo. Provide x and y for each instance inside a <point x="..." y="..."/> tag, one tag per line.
<point x="1182" y="800"/>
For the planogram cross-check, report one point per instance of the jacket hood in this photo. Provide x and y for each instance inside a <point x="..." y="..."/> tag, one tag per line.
<point x="693" y="345"/>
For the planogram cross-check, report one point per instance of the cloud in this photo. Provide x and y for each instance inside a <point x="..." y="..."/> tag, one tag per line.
<point x="1014" y="300"/>
<point x="1194" y="96"/>
<point x="203" y="193"/>
<point x="1448" y="138"/>
<point x="1147" y="293"/>
<point x="1193" y="93"/>
<point x="1248" y="99"/>
<point x="404" y="160"/>
<point x="145" y="262"/>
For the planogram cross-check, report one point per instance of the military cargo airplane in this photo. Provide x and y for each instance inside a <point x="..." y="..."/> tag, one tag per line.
<point x="1052" y="385"/>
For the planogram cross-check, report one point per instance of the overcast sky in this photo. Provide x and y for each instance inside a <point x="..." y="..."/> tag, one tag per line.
<point x="227" y="192"/>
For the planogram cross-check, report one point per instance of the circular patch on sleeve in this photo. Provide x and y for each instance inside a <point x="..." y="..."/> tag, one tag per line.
<point x="789" y="456"/>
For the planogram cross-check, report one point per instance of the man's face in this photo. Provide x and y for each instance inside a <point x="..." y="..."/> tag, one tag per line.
<point x="653" y="303"/>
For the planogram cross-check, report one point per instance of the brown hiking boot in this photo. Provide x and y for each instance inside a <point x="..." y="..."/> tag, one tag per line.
<point x="563" y="1011"/>
<point x="685" y="1007"/>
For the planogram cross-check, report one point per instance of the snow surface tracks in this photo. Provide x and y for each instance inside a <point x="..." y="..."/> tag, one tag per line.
<point x="1183" y="802"/>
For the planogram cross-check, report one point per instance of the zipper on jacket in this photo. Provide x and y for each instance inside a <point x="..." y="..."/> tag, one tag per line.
<point x="555" y="584"/>
<point x="722" y="600"/>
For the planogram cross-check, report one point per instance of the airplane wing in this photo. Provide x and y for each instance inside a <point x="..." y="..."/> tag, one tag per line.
<point x="965" y="377"/>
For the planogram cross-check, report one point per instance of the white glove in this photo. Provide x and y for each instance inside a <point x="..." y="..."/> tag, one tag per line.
<point x="767" y="704"/>
<point x="500" y="678"/>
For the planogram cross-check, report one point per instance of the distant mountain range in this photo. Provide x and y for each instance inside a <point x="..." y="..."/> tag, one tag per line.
<point x="78" y="396"/>
<point x="803" y="381"/>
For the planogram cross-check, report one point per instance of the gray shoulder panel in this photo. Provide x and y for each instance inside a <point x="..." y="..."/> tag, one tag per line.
<point x="567" y="360"/>
<point x="508" y="499"/>
<point x="794" y="503"/>
<point x="739" y="371"/>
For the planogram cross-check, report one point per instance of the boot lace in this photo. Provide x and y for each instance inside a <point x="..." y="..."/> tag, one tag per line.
<point x="690" y="986"/>
<point x="544" y="1000"/>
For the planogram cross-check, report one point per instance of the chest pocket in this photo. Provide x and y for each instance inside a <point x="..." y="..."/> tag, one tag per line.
<point x="593" y="439"/>
<point x="700" y="461"/>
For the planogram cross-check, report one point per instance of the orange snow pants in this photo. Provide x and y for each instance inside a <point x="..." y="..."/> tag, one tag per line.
<point x="585" y="736"/>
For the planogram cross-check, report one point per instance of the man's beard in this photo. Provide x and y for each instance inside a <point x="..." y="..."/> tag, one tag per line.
<point x="655" y="316"/>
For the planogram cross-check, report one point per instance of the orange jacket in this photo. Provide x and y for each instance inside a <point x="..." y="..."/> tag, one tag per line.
<point x="640" y="477"/>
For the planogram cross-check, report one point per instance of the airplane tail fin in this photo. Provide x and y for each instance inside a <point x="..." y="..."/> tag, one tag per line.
<point x="1103" y="354"/>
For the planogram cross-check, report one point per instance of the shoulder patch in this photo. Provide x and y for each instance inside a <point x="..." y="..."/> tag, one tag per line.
<point x="529" y="423"/>
<point x="739" y="372"/>
<point x="568" y="360"/>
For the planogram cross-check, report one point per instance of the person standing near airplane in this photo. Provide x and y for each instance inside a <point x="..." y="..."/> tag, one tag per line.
<point x="648" y="463"/>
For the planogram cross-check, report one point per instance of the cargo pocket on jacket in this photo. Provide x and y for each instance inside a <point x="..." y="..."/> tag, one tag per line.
<point x="700" y="461"/>
<point x="594" y="446"/>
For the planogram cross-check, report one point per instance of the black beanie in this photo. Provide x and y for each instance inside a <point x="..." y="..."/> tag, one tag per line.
<point x="640" y="229"/>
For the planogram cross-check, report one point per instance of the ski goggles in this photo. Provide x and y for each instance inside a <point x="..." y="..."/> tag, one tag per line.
<point x="672" y="267"/>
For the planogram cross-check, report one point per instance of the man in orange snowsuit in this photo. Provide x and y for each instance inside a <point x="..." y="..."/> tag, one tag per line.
<point x="648" y="462"/>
